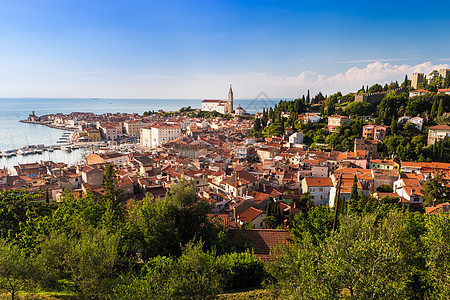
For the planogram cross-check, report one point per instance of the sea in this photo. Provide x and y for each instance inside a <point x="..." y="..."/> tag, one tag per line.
<point x="15" y="135"/>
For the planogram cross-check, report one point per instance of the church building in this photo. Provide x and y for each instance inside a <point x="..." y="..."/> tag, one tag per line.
<point x="221" y="106"/>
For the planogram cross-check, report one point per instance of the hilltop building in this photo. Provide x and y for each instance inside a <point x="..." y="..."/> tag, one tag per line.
<point x="438" y="133"/>
<point x="221" y="106"/>
<point x="444" y="73"/>
<point x="417" y="78"/>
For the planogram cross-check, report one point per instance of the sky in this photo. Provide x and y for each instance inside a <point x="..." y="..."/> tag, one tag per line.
<point x="172" y="49"/>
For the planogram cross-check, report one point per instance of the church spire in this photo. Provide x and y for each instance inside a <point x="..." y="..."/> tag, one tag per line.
<point x="230" y="100"/>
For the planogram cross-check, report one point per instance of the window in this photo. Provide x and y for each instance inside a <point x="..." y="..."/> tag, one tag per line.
<point x="320" y="189"/>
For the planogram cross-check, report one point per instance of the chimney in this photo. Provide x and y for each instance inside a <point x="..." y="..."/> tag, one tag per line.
<point x="285" y="223"/>
<point x="434" y="203"/>
<point x="264" y="187"/>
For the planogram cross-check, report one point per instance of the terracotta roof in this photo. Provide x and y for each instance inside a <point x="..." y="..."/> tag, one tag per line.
<point x="250" y="214"/>
<point x="310" y="181"/>
<point x="440" y="208"/>
<point x="263" y="240"/>
<point x="440" y="127"/>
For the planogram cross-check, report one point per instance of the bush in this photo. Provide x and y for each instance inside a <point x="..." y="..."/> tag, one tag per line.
<point x="241" y="270"/>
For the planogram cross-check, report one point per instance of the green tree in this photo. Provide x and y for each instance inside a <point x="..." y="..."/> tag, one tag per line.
<point x="91" y="260"/>
<point x="436" y="189"/>
<point x="437" y="241"/>
<point x="359" y="109"/>
<point x="363" y="260"/>
<point x="440" y="108"/>
<point x="17" y="270"/>
<point x="433" y="110"/>
<point x="354" y="191"/>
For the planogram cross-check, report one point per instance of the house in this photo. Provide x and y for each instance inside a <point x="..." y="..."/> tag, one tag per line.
<point x="384" y="164"/>
<point x="411" y="190"/>
<point x="108" y="158"/>
<point x="438" y="133"/>
<point x="91" y="175"/>
<point x="133" y="128"/>
<point x="417" y="121"/>
<point x="240" y="183"/>
<point x="251" y="215"/>
<point x="239" y="111"/>
<point x="416" y="93"/>
<point x="309" y="117"/>
<point x="371" y="146"/>
<point x="375" y="132"/>
<point x="444" y="91"/>
<point x="318" y="189"/>
<point x="438" y="208"/>
<point x="335" y="121"/>
<point x="296" y="138"/>
<point x="157" y="135"/>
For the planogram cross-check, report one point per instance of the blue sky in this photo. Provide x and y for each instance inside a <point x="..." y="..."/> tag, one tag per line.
<point x="195" y="49"/>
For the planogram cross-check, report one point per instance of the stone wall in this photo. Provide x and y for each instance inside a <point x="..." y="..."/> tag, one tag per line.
<point x="375" y="98"/>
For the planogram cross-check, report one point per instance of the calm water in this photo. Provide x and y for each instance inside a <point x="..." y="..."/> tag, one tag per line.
<point x="14" y="135"/>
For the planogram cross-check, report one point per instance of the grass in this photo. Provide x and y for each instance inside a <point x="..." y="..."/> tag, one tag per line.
<point x="250" y="294"/>
<point x="42" y="295"/>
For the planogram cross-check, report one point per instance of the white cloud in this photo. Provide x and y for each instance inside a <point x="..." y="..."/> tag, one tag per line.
<point x="114" y="84"/>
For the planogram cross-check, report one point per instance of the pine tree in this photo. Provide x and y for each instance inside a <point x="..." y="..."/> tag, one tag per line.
<point x="441" y="108"/>
<point x="433" y="110"/>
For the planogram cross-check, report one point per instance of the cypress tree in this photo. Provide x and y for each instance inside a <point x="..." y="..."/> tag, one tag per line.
<point x="308" y="98"/>
<point x="354" y="193"/>
<point x="393" y="125"/>
<point x="405" y="83"/>
<point x="433" y="110"/>
<point x="441" y="108"/>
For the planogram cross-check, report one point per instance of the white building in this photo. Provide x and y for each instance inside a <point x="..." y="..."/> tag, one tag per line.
<point x="296" y="138"/>
<point x="146" y="137"/>
<point x="239" y="111"/>
<point x="159" y="134"/>
<point x="411" y="190"/>
<point x="318" y="189"/>
<point x="221" y="106"/>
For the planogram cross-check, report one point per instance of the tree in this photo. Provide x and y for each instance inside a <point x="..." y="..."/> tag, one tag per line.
<point x="406" y="81"/>
<point x="363" y="260"/>
<point x="393" y="126"/>
<point x="359" y="109"/>
<point x="17" y="270"/>
<point x="436" y="189"/>
<point x="308" y="98"/>
<point x="354" y="191"/>
<point x="437" y="241"/>
<point x="384" y="188"/>
<point x="194" y="275"/>
<point x="91" y="261"/>
<point x="433" y="110"/>
<point x="441" y="108"/>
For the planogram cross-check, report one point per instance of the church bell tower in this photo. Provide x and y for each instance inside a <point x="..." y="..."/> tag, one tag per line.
<point x="230" y="101"/>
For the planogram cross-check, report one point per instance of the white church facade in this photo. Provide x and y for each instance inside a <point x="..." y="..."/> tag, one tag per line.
<point x="221" y="106"/>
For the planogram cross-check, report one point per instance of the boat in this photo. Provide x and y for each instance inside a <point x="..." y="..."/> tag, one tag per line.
<point x="22" y="152"/>
<point x="66" y="149"/>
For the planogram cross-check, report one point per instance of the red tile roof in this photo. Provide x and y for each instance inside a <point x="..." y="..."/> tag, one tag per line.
<point x="263" y="240"/>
